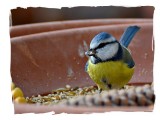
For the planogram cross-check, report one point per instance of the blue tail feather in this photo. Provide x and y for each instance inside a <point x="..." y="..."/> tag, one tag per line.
<point x="128" y="34"/>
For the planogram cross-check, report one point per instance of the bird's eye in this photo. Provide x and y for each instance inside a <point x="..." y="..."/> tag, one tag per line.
<point x="101" y="45"/>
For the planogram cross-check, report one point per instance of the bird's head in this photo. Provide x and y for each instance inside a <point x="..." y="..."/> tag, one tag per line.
<point x="103" y="47"/>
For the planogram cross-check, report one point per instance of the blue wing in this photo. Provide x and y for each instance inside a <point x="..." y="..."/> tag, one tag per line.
<point x="127" y="58"/>
<point x="86" y="66"/>
<point x="128" y="34"/>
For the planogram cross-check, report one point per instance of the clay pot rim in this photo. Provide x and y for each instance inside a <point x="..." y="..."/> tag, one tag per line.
<point x="26" y="29"/>
<point x="137" y="20"/>
<point x="79" y="28"/>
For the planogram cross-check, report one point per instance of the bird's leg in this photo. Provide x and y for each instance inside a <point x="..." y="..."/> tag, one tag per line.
<point x="105" y="81"/>
<point x="123" y="87"/>
<point x="100" y="90"/>
<point x="109" y="86"/>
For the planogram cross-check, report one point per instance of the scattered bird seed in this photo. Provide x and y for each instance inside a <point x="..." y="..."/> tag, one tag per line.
<point x="90" y="96"/>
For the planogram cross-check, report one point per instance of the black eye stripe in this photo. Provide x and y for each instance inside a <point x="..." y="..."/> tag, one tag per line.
<point x="103" y="44"/>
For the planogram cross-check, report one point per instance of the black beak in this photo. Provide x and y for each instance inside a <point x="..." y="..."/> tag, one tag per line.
<point x="90" y="52"/>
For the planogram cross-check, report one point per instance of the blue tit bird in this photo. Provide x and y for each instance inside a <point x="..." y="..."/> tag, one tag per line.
<point x="110" y="63"/>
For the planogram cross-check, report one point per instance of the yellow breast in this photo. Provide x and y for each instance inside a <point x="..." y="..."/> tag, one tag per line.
<point x="116" y="73"/>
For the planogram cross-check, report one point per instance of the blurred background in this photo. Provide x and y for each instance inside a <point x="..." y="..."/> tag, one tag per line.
<point x="35" y="15"/>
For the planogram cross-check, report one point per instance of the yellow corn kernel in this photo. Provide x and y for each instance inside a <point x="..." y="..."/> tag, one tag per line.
<point x="17" y="92"/>
<point x="20" y="100"/>
<point x="12" y="86"/>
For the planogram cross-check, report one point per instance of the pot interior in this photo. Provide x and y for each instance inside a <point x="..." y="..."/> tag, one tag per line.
<point x="42" y="62"/>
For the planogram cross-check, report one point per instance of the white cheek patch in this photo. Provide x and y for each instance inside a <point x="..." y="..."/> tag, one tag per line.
<point x="107" y="52"/>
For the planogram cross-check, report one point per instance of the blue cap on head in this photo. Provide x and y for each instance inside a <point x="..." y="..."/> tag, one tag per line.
<point x="101" y="37"/>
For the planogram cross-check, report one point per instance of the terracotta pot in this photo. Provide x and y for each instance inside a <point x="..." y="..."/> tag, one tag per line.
<point x="43" y="60"/>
